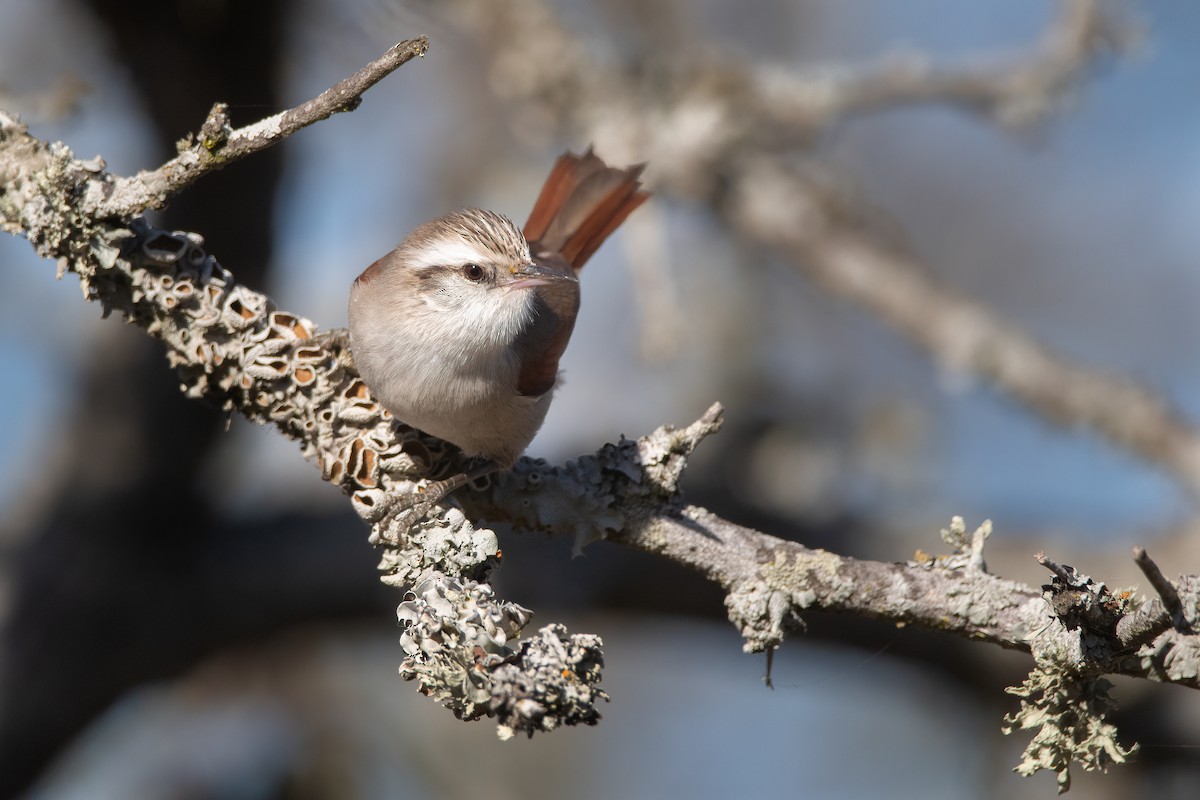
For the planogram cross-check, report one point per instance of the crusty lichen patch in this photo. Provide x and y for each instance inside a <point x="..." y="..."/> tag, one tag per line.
<point x="460" y="645"/>
<point x="765" y="605"/>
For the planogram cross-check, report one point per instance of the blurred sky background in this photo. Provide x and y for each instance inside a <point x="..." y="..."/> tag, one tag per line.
<point x="1084" y="231"/>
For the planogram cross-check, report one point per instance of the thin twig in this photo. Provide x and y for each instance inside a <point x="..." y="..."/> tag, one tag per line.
<point x="1067" y="574"/>
<point x="217" y="145"/>
<point x="1164" y="588"/>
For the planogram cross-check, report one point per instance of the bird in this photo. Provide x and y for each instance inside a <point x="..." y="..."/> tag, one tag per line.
<point x="459" y="330"/>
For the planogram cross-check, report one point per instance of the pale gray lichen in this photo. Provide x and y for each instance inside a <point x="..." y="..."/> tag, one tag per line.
<point x="586" y="498"/>
<point x="1090" y="612"/>
<point x="454" y="634"/>
<point x="459" y="645"/>
<point x="552" y="681"/>
<point x="1188" y="589"/>
<point x="579" y="502"/>
<point x="971" y="601"/>
<point x="766" y="605"/>
<point x="446" y="542"/>
<point x="1175" y="655"/>
<point x="1070" y="714"/>
<point x="1066" y="698"/>
<point x="760" y="614"/>
<point x="1175" y="658"/>
<point x="968" y="550"/>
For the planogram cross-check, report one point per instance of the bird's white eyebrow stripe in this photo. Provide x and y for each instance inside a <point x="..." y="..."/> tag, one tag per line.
<point x="451" y="252"/>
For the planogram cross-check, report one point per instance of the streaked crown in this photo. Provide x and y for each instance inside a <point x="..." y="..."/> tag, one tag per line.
<point x="470" y="235"/>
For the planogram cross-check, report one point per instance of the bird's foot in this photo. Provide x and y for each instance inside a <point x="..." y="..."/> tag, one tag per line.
<point x="419" y="504"/>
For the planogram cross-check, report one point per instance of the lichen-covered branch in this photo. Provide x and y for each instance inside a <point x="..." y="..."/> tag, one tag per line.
<point x="1077" y="630"/>
<point x="232" y="348"/>
<point x="627" y="493"/>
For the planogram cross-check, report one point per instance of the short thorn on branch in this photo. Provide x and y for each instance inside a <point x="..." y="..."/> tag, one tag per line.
<point x="1164" y="588"/>
<point x="1064" y="572"/>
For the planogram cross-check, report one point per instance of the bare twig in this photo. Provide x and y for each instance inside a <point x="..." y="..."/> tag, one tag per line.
<point x="217" y="145"/>
<point x="1164" y="588"/>
<point x="1064" y="573"/>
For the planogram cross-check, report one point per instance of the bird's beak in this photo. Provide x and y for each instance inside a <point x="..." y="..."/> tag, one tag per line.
<point x="529" y="275"/>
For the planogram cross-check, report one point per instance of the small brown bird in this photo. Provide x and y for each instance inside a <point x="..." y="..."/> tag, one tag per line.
<point x="459" y="330"/>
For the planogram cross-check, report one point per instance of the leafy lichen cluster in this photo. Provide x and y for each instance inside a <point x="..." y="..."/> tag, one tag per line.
<point x="1070" y="713"/>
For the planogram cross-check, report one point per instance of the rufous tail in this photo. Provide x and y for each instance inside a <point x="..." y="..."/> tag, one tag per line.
<point x="582" y="202"/>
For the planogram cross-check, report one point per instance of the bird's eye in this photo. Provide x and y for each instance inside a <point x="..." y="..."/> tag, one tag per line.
<point x="472" y="272"/>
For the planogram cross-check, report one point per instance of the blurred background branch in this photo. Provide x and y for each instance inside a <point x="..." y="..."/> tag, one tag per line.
<point x="750" y="166"/>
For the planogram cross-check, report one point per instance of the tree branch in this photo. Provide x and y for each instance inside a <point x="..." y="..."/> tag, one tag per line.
<point x="1170" y="597"/>
<point x="218" y="144"/>
<point x="232" y="348"/>
<point x="1014" y="91"/>
<point x="785" y="210"/>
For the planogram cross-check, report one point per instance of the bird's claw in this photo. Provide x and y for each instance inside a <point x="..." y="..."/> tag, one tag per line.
<point x="415" y="507"/>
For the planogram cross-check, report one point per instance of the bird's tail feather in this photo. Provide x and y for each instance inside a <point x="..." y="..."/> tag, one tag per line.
<point x="581" y="204"/>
